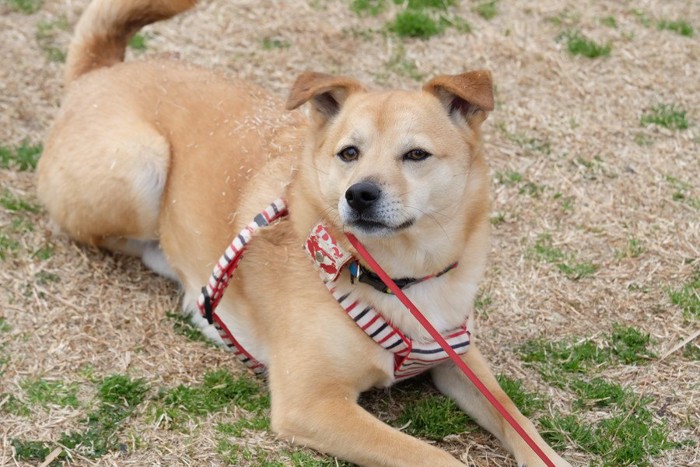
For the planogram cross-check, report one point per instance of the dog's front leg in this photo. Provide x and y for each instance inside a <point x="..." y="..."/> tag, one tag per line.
<point x="452" y="382"/>
<point x="323" y="414"/>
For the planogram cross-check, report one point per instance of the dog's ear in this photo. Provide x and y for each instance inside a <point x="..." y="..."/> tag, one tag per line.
<point x="469" y="94"/>
<point x="327" y="93"/>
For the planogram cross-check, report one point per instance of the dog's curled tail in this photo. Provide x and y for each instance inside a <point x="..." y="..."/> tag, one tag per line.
<point x="105" y="28"/>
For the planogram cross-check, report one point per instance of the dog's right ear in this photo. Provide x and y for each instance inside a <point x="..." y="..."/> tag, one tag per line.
<point x="326" y="93"/>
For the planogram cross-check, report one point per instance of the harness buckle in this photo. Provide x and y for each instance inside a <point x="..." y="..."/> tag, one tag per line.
<point x="208" y="310"/>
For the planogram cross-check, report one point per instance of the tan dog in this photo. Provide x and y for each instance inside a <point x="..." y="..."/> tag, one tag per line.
<point x="170" y="162"/>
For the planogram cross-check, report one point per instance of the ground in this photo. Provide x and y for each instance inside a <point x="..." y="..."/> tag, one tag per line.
<point x="590" y="310"/>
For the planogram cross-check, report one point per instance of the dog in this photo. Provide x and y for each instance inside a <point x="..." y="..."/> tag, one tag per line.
<point x="169" y="162"/>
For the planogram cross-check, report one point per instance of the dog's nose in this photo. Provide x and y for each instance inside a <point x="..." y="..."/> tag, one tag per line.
<point x="362" y="196"/>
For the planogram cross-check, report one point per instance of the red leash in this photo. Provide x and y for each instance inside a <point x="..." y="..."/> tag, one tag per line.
<point x="453" y="355"/>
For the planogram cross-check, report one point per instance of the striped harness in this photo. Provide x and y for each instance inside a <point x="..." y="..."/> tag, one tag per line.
<point x="411" y="356"/>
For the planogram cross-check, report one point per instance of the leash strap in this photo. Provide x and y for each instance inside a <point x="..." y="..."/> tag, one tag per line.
<point x="212" y="293"/>
<point x="362" y="251"/>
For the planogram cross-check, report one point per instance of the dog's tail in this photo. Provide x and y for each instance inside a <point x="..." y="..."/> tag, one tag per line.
<point x="105" y="28"/>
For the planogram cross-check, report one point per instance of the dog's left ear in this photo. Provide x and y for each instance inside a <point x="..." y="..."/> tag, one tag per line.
<point x="327" y="93"/>
<point x="469" y="94"/>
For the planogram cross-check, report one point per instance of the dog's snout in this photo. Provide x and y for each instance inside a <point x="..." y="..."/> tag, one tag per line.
<point x="363" y="195"/>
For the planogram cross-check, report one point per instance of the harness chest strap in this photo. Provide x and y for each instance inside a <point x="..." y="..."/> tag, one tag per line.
<point x="411" y="357"/>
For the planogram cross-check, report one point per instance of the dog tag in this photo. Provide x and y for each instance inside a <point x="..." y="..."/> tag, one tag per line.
<point x="325" y="252"/>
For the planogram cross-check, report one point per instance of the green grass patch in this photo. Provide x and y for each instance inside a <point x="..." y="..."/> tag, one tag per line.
<point x="24" y="6"/>
<point x="415" y="23"/>
<point x="31" y="450"/>
<point x="687" y="296"/>
<point x="138" y="42"/>
<point x="508" y="178"/>
<point x="218" y="390"/>
<point x="624" y="430"/>
<point x="630" y="345"/>
<point x="432" y="417"/>
<point x="184" y="327"/>
<point x="117" y="398"/>
<point x="527" y="402"/>
<point x="368" y="7"/>
<point x="642" y="17"/>
<point x="682" y="192"/>
<point x="680" y="27"/>
<point x="543" y="250"/>
<point x="12" y="405"/>
<point x="403" y="66"/>
<point x="691" y="351"/>
<point x="14" y="203"/>
<point x="8" y="246"/>
<point x="50" y="393"/>
<point x="624" y="344"/>
<point x="578" y="44"/>
<point x="633" y="249"/>
<point x="609" y="21"/>
<point x="665" y="115"/>
<point x="487" y="10"/>
<point x="4" y="325"/>
<point x="47" y="33"/>
<point x="272" y="43"/>
<point x="22" y="158"/>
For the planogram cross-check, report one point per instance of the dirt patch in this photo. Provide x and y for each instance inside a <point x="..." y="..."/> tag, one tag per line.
<point x="596" y="215"/>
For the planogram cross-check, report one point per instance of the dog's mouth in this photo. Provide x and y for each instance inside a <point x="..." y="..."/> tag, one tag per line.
<point x="375" y="227"/>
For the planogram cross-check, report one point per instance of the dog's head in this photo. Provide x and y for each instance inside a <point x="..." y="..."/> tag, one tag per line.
<point x="391" y="166"/>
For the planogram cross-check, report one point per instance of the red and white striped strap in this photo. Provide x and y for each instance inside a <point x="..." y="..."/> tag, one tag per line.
<point x="212" y="293"/>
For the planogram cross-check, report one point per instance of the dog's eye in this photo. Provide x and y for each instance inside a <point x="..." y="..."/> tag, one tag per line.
<point x="349" y="154"/>
<point x="416" y="155"/>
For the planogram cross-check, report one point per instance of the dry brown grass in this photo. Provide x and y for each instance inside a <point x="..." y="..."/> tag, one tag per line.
<point x="568" y="125"/>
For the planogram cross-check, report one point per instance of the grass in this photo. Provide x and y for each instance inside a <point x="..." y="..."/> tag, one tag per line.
<point x="14" y="203"/>
<point x="543" y="250"/>
<point x="665" y="115"/>
<point x="680" y="27"/>
<point x="402" y="66"/>
<point x="682" y="191"/>
<point x="24" y="6"/>
<point x="578" y="44"/>
<point x="624" y="344"/>
<point x="8" y="246"/>
<point x="184" y="327"/>
<point x="218" y="390"/>
<point x="117" y="398"/>
<point x="420" y="19"/>
<point x="46" y="36"/>
<point x="625" y="430"/>
<point x="23" y="157"/>
<point x="687" y="296"/>
<point x="414" y="23"/>
<point x="633" y="249"/>
<point x="527" y="402"/>
<point x="50" y="393"/>
<point x="368" y="7"/>
<point x="272" y="43"/>
<point x="609" y="21"/>
<point x="432" y="417"/>
<point x="487" y="10"/>
<point x="138" y="42"/>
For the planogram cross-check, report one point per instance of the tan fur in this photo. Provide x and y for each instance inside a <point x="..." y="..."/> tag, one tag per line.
<point x="159" y="156"/>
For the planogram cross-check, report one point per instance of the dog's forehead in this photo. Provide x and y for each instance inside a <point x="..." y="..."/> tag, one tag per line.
<point x="394" y="111"/>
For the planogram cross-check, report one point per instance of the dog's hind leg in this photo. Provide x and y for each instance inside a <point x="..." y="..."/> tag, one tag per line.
<point x="106" y="191"/>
